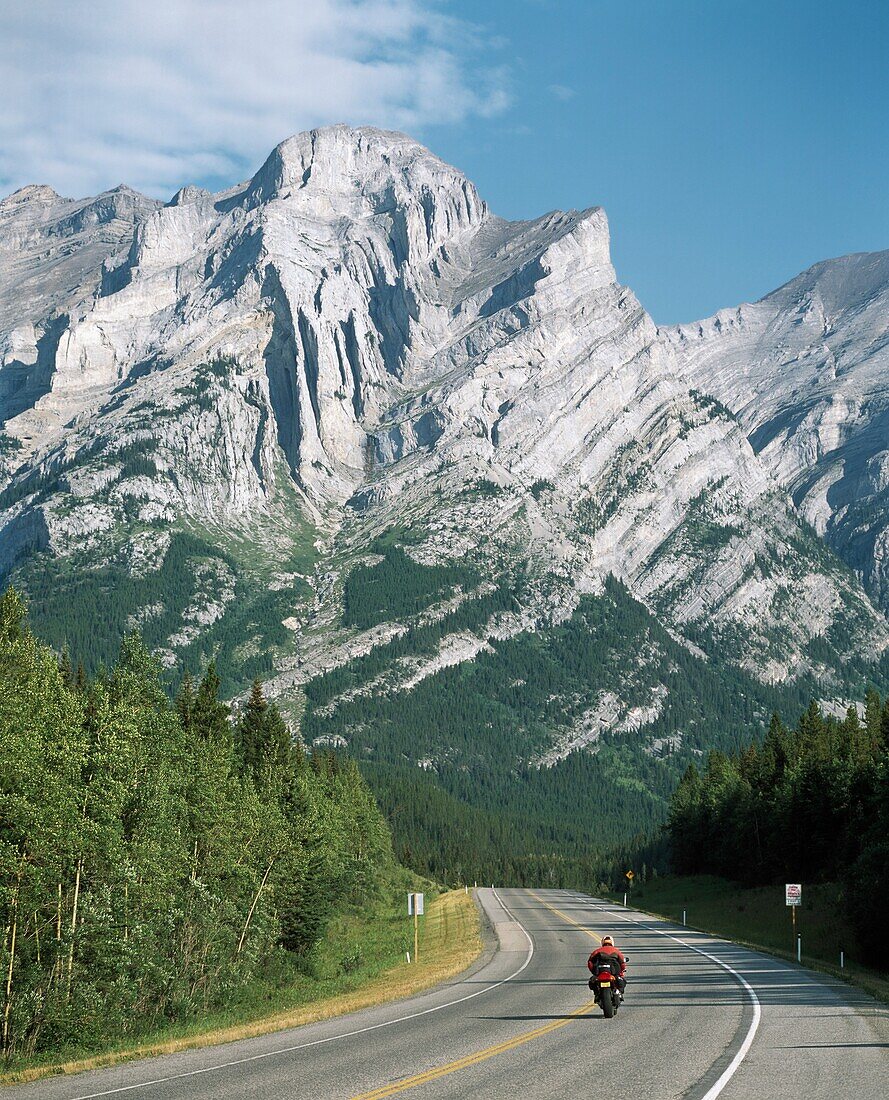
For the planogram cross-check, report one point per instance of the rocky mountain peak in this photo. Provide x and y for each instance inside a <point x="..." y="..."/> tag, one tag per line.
<point x="189" y="194"/>
<point x="32" y="193"/>
<point x="804" y="369"/>
<point x="351" y="342"/>
<point x="365" y="172"/>
<point x="844" y="283"/>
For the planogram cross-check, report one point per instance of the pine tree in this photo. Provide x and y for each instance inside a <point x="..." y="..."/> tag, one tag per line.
<point x="65" y="669"/>
<point x="185" y="703"/>
<point x="210" y="715"/>
<point x="264" y="745"/>
<point x="873" y="716"/>
<point x="279" y="754"/>
<point x="250" y="730"/>
<point x="812" y="731"/>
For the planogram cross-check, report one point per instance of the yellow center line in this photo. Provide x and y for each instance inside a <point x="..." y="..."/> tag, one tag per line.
<point x="488" y="1052"/>
<point x="565" y="916"/>
<point x="472" y="1059"/>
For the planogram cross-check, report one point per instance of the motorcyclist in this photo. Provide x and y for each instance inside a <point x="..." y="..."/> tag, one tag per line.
<point x="607" y="952"/>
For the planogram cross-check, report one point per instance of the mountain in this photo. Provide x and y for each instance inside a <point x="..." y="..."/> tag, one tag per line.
<point x="435" y="475"/>
<point x="806" y="371"/>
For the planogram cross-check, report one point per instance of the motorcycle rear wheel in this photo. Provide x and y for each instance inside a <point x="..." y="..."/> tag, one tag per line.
<point x="606" y="999"/>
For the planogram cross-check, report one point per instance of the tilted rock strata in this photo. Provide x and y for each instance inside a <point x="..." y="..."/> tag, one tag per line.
<point x="351" y="340"/>
<point x="806" y="370"/>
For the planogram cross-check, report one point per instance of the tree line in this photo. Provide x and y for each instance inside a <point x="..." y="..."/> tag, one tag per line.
<point x="448" y="760"/>
<point x="533" y="827"/>
<point x="158" y="855"/>
<point x="807" y="804"/>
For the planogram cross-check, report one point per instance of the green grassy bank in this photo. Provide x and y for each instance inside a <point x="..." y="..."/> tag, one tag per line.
<point x="758" y="916"/>
<point x="360" y="962"/>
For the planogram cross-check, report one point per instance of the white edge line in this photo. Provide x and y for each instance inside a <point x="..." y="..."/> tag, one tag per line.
<point x="742" y="1051"/>
<point x="331" y="1038"/>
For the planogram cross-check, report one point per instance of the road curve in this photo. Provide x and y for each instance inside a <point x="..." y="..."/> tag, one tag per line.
<point x="703" y="1018"/>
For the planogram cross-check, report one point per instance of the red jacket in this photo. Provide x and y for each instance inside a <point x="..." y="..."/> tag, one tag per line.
<point x="607" y="953"/>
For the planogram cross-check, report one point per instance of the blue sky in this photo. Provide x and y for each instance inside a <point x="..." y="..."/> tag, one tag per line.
<point x="732" y="144"/>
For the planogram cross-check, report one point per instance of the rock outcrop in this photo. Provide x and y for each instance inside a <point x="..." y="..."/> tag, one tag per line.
<point x="352" y="343"/>
<point x="806" y="370"/>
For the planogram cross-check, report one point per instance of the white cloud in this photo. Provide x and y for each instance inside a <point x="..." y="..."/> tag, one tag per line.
<point x="562" y="91"/>
<point x="157" y="93"/>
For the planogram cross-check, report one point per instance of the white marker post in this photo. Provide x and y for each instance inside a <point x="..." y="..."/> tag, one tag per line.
<point x="793" y="896"/>
<point x="415" y="910"/>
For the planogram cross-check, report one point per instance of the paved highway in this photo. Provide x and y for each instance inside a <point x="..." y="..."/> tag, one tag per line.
<point x="703" y="1018"/>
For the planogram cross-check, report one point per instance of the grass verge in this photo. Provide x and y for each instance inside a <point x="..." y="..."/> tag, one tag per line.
<point x="758" y="917"/>
<point x="358" y="964"/>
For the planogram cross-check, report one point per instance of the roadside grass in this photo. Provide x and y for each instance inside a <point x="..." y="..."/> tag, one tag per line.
<point x="361" y="962"/>
<point x="758" y="917"/>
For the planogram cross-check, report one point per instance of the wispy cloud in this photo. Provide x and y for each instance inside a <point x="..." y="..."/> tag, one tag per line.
<point x="562" y="91"/>
<point x="157" y="93"/>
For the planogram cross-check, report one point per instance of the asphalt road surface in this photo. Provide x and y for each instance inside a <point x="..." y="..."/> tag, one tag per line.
<point x="703" y="1018"/>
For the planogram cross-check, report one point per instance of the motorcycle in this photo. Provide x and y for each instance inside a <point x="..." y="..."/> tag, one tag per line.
<point x="606" y="990"/>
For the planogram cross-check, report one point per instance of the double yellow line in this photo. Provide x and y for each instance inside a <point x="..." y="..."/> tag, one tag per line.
<point x="565" y="916"/>
<point x="471" y="1059"/>
<point x="488" y="1052"/>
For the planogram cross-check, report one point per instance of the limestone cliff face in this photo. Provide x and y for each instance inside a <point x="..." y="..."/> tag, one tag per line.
<point x="312" y="275"/>
<point x="350" y="341"/>
<point x="51" y="256"/>
<point x="806" y="370"/>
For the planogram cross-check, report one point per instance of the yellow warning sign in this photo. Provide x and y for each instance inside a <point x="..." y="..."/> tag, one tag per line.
<point x="630" y="875"/>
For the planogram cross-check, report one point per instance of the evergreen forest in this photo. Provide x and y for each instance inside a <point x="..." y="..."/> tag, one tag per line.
<point x="806" y="804"/>
<point x="454" y="760"/>
<point x="158" y="856"/>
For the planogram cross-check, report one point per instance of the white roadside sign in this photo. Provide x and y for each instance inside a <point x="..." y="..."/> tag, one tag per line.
<point x="793" y="893"/>
<point x="415" y="905"/>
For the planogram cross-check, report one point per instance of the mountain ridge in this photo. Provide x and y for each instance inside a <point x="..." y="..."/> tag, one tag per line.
<point x="342" y="427"/>
<point x="805" y="370"/>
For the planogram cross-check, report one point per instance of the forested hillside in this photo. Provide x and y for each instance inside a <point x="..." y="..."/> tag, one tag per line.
<point x="547" y="752"/>
<point x="155" y="857"/>
<point x="809" y="804"/>
<point x="344" y="428"/>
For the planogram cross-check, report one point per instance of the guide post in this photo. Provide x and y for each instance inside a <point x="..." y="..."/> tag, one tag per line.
<point x="415" y="910"/>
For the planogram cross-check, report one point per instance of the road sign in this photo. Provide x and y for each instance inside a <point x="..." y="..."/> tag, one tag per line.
<point x="630" y="875"/>
<point x="415" y="910"/>
<point x="793" y="893"/>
